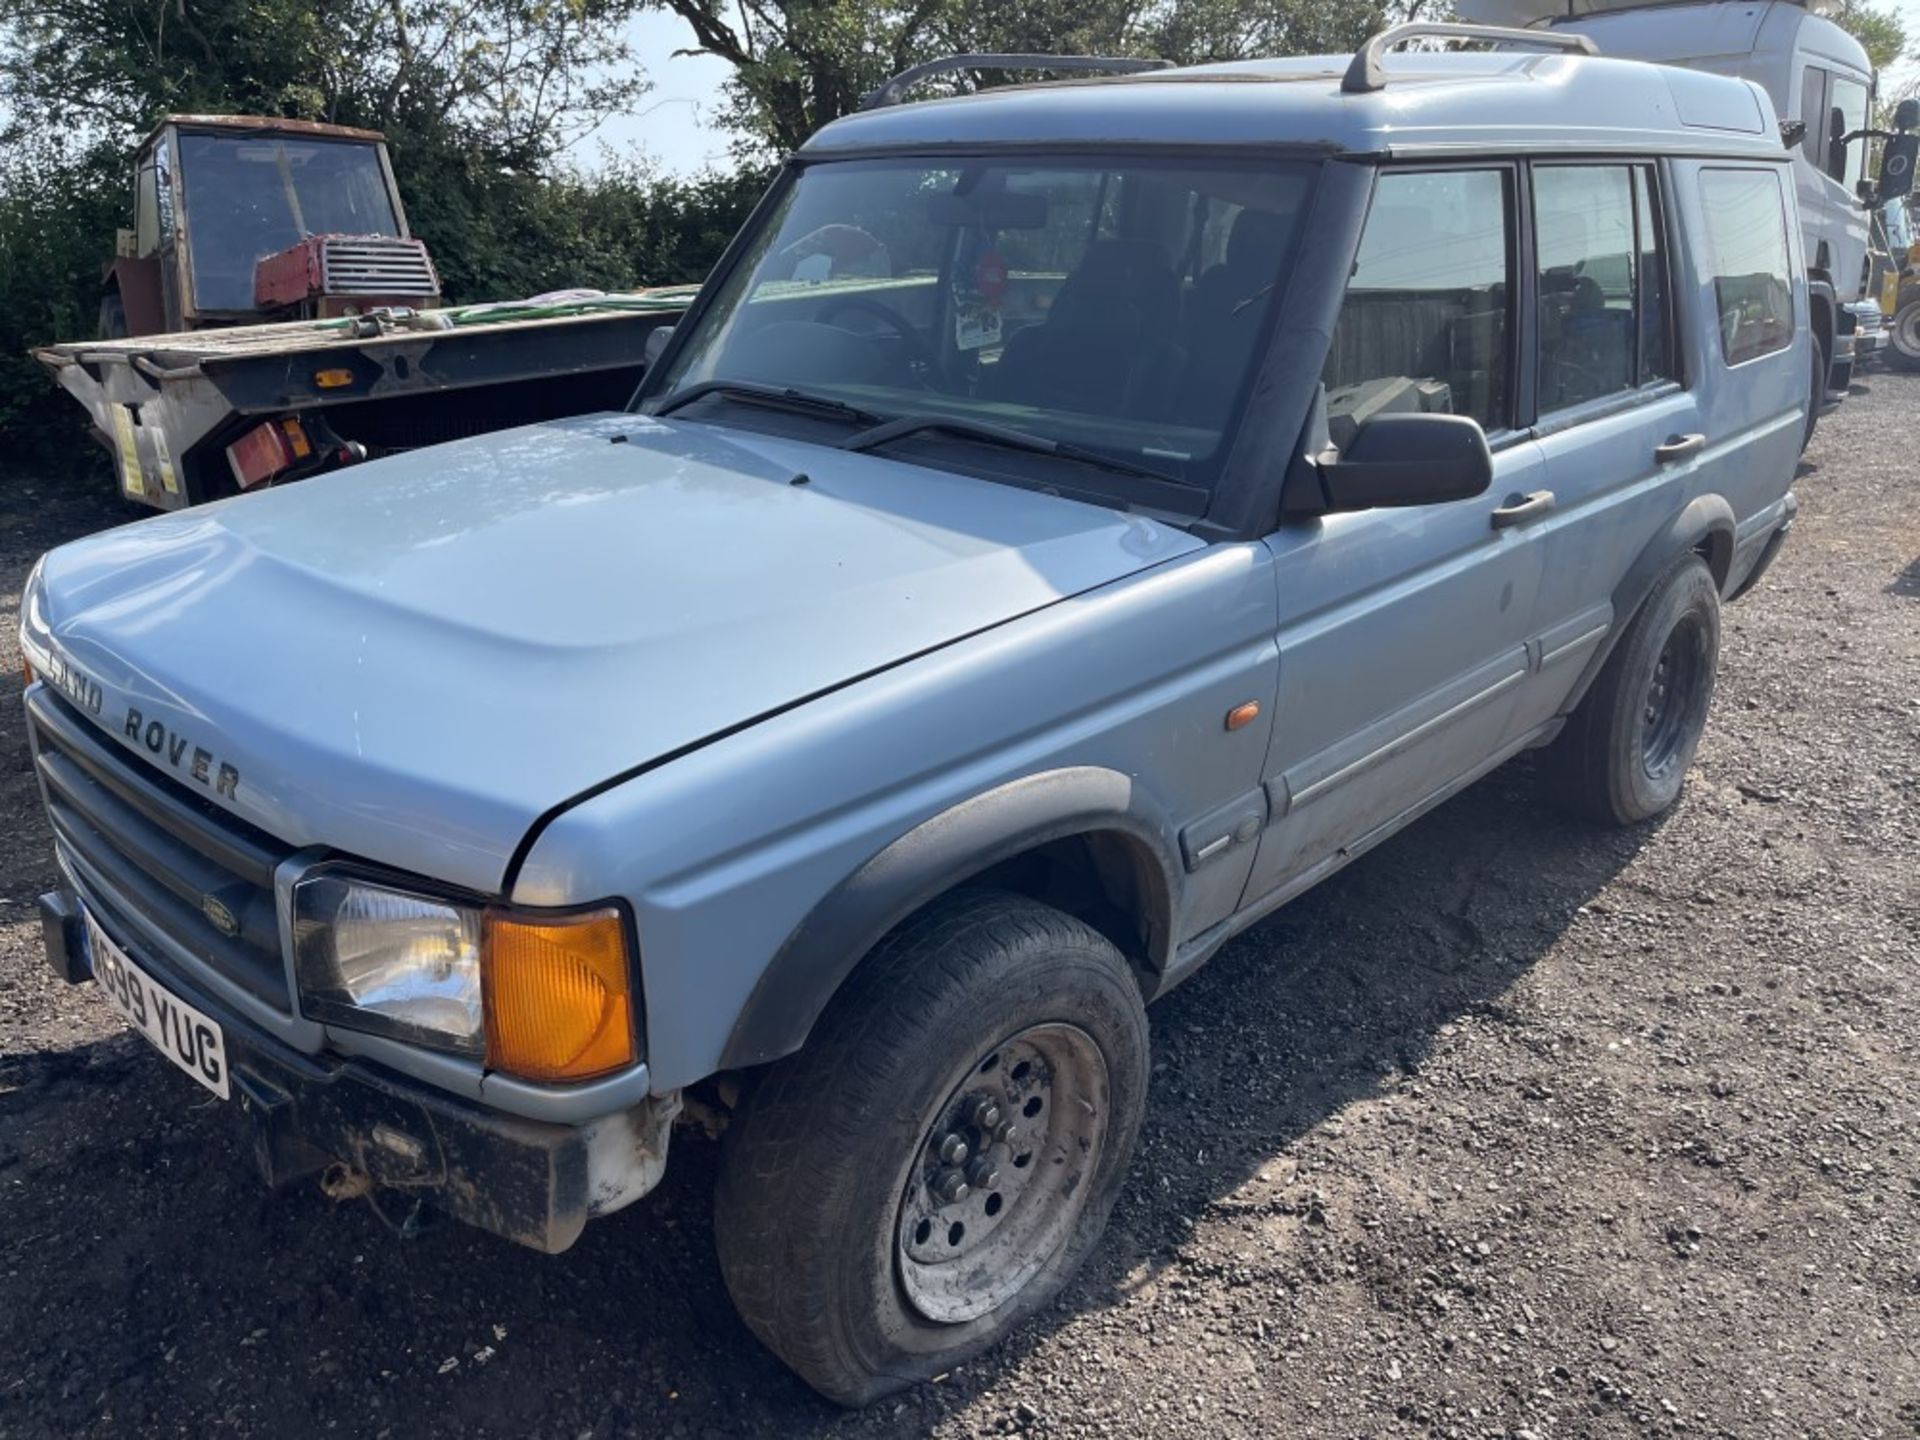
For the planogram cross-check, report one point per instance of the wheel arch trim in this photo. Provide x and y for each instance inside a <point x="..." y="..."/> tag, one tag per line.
<point x="1704" y="526"/>
<point x="931" y="859"/>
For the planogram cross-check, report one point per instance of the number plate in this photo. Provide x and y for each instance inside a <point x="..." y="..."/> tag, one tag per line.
<point x="180" y="1032"/>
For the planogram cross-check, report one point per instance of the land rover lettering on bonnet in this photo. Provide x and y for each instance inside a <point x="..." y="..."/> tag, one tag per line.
<point x="1072" y="520"/>
<point x="181" y="754"/>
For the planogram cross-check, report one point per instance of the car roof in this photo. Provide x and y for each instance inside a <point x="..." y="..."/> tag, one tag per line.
<point x="1433" y="104"/>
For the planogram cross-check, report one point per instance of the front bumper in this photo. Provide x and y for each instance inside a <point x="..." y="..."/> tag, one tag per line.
<point x="1869" y="328"/>
<point x="531" y="1181"/>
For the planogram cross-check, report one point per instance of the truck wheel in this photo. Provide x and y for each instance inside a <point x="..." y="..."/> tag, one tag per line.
<point x="1624" y="755"/>
<point x="1818" y="399"/>
<point x="1903" y="339"/>
<point x="941" y="1157"/>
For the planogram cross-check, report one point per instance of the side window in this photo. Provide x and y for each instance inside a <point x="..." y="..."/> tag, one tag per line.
<point x="1847" y="101"/>
<point x="163" y="191"/>
<point x="1425" y="324"/>
<point x="1583" y="217"/>
<point x="1602" y="290"/>
<point x="1813" y="111"/>
<point x="1654" y="309"/>
<point x="146" y="211"/>
<point x="1747" y="246"/>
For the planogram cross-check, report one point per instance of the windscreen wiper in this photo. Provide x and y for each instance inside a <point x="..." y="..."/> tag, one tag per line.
<point x="1011" y="439"/>
<point x="772" y="397"/>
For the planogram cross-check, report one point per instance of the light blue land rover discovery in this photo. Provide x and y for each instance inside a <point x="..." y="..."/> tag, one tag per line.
<point x="1072" y="520"/>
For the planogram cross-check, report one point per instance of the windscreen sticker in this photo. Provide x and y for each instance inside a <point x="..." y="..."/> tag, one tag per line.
<point x="975" y="326"/>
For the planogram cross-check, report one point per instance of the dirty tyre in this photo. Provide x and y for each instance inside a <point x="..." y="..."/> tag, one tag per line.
<point x="840" y="1233"/>
<point x="1817" y="387"/>
<point x="1903" y="338"/>
<point x="1624" y="755"/>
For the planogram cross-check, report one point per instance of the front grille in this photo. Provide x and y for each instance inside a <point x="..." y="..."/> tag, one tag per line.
<point x="376" y="265"/>
<point x="153" y="856"/>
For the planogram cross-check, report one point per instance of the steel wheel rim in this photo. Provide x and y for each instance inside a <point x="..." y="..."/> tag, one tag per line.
<point x="961" y="1258"/>
<point x="1668" y="711"/>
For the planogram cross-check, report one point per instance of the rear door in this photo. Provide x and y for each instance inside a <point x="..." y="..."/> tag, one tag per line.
<point x="1621" y="435"/>
<point x="1402" y="632"/>
<point x="1753" y="347"/>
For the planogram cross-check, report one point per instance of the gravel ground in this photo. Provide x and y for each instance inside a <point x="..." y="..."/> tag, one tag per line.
<point x="1512" y="1129"/>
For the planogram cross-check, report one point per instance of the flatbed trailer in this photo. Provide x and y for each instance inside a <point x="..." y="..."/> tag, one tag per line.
<point x="204" y="414"/>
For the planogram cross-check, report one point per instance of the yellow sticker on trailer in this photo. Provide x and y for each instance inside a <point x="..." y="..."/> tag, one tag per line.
<point x="131" y="480"/>
<point x="163" y="459"/>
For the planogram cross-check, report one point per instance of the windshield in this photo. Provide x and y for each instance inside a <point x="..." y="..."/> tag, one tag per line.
<point x="250" y="196"/>
<point x="1108" y="304"/>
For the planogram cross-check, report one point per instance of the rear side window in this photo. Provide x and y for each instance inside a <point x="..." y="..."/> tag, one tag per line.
<point x="1425" y="325"/>
<point x="1747" y="248"/>
<point x="1601" y="283"/>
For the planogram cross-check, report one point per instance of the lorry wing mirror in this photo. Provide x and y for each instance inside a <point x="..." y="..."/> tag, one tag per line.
<point x="1897" y="160"/>
<point x="1792" y="132"/>
<point x="1409" y="460"/>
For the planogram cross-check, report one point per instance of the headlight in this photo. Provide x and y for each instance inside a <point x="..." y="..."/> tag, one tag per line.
<point x="36" y="631"/>
<point x="388" y="962"/>
<point x="540" y="995"/>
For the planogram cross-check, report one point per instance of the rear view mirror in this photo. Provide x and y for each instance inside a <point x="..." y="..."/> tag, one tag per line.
<point x="1409" y="460"/>
<point x="997" y="210"/>
<point x="655" y="344"/>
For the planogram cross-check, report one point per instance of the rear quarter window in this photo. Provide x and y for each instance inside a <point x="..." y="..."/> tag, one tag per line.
<point x="1746" y="225"/>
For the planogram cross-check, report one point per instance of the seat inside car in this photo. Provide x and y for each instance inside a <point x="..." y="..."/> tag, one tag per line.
<point x="1224" y="311"/>
<point x="1107" y="345"/>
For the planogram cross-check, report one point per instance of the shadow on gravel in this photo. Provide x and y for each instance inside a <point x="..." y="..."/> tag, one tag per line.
<point x="147" y="1280"/>
<point x="1907" y="582"/>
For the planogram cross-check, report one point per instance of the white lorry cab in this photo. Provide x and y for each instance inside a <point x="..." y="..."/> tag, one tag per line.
<point x="1816" y="74"/>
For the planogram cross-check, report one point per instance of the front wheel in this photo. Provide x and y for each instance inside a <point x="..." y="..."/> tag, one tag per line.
<point x="1624" y="755"/>
<point x="941" y="1157"/>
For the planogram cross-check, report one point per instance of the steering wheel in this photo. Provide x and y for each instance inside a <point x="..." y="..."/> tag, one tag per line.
<point x="918" y="355"/>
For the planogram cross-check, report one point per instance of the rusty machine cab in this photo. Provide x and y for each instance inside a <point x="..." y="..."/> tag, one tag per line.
<point x="241" y="219"/>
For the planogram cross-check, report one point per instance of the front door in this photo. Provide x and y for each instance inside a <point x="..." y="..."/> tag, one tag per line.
<point x="1403" y="632"/>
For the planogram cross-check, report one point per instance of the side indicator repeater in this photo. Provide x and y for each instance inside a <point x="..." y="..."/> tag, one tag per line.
<point x="1242" y="716"/>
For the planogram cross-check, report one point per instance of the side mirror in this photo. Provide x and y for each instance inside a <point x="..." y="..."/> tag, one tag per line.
<point x="1409" y="460"/>
<point x="656" y="343"/>
<point x="1896" y="162"/>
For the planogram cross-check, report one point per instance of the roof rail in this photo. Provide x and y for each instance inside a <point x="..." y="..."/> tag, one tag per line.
<point x="895" y="90"/>
<point x="1368" y="72"/>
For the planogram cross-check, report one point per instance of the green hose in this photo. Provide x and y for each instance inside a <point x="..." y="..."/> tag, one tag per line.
<point x="489" y="314"/>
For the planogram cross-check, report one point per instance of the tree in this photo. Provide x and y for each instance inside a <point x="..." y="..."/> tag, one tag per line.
<point x="801" y="63"/>
<point x="1879" y="31"/>
<point x="479" y="99"/>
<point x="515" y="80"/>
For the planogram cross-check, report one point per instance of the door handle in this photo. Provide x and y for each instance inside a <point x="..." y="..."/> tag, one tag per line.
<point x="1678" y="447"/>
<point x="1521" y="508"/>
